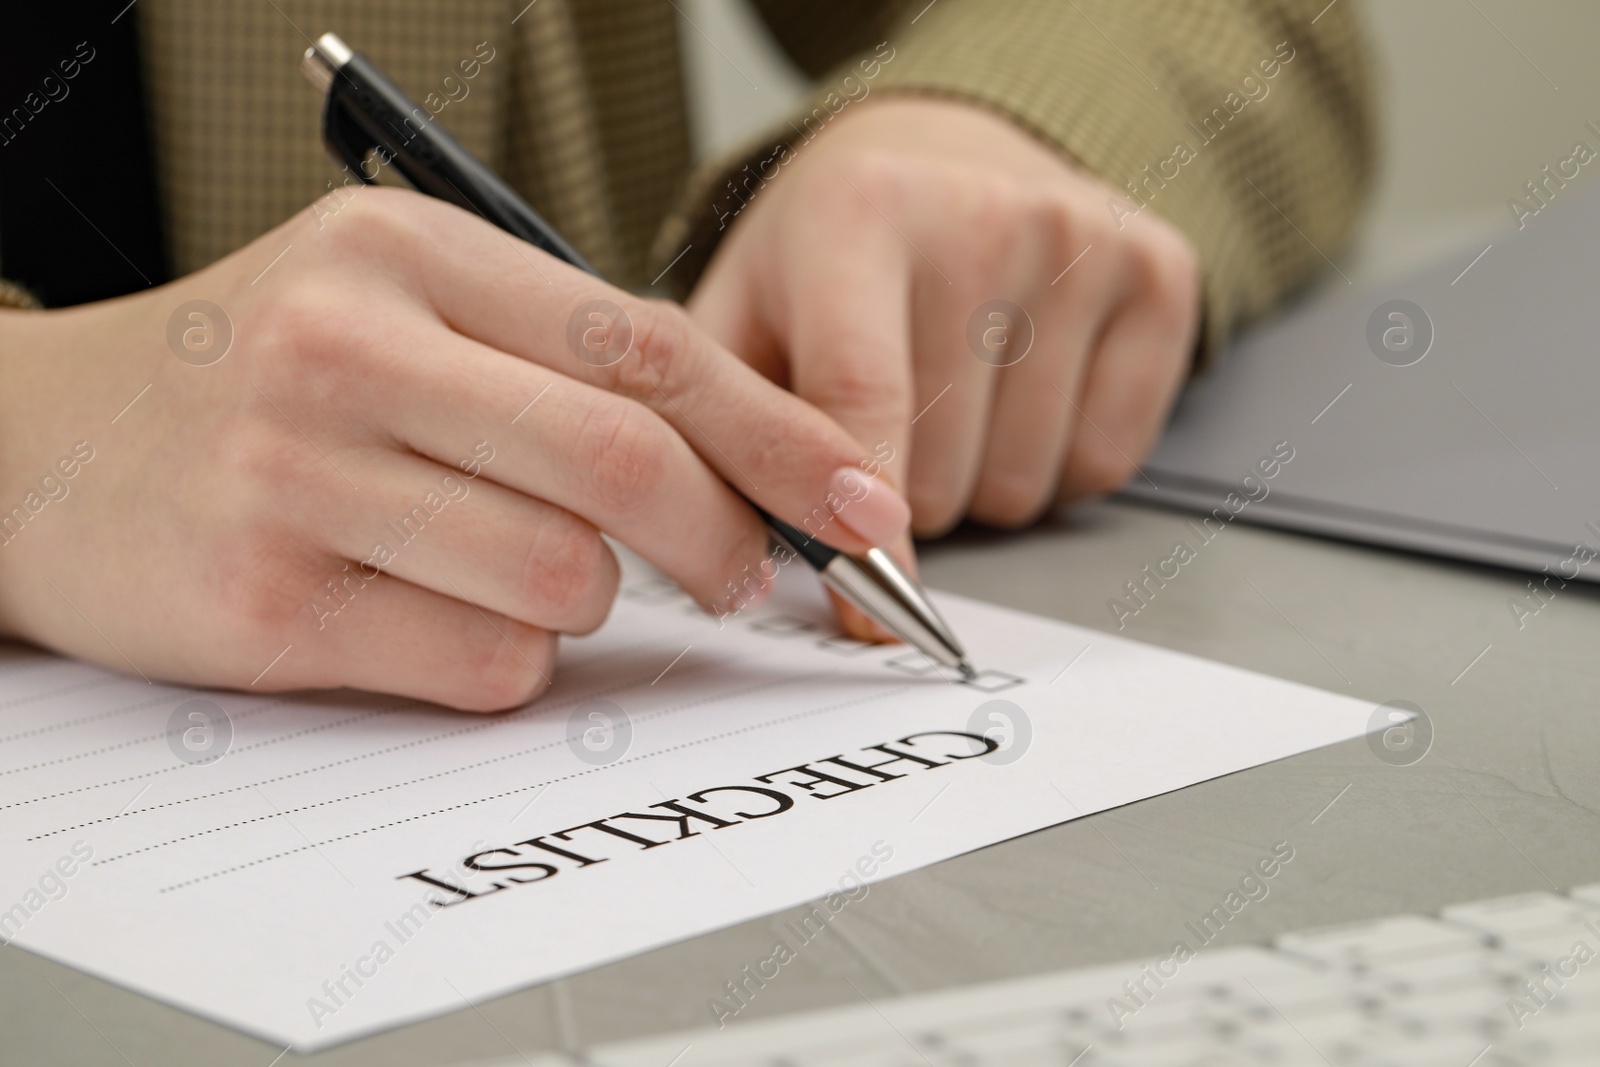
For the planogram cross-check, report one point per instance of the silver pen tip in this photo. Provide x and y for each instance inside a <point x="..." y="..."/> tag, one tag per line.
<point x="966" y="670"/>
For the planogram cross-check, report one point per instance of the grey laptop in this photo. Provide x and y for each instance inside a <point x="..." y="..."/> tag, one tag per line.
<point x="1452" y="412"/>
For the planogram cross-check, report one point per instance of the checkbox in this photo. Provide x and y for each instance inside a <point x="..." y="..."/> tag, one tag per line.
<point x="913" y="663"/>
<point x="992" y="681"/>
<point x="840" y="645"/>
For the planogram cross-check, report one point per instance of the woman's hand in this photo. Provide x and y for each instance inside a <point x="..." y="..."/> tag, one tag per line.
<point x="381" y="454"/>
<point x="878" y="272"/>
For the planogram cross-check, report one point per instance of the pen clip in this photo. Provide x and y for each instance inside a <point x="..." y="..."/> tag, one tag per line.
<point x="347" y="141"/>
<point x="363" y="113"/>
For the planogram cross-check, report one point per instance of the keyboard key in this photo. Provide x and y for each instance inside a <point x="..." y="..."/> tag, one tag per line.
<point x="1366" y="943"/>
<point x="1509" y="918"/>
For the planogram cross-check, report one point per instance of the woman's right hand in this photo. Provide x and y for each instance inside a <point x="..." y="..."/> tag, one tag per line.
<point x="401" y="388"/>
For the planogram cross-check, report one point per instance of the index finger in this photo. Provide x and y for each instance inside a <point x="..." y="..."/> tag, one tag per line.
<point x="782" y="453"/>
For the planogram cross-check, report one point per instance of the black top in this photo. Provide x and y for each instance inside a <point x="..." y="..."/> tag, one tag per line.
<point x="80" y="219"/>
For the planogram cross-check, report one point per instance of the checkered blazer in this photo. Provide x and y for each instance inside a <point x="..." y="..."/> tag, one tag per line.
<point x="580" y="105"/>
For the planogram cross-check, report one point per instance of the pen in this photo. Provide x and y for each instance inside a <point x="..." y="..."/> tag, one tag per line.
<point x="365" y="113"/>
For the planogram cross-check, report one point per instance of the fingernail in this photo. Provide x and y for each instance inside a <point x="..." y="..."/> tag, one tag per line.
<point x="871" y="509"/>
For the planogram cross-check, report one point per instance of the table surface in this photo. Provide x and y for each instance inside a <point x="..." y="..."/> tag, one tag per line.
<point x="1507" y="800"/>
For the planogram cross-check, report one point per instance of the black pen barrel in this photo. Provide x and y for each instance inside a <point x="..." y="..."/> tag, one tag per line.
<point x="368" y="114"/>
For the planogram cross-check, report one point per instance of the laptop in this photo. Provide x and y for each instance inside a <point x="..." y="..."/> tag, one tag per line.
<point x="1451" y="411"/>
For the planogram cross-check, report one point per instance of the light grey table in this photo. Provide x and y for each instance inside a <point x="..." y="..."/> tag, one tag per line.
<point x="1507" y="800"/>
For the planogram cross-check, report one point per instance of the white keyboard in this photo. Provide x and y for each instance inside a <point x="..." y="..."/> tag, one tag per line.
<point x="1495" y="983"/>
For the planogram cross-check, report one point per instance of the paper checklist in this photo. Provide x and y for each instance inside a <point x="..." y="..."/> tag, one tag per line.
<point x="313" y="867"/>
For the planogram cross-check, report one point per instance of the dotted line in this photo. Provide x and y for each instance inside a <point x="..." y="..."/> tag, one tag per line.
<point x="97" y="785"/>
<point x="165" y="733"/>
<point x="90" y="683"/>
<point x="143" y="775"/>
<point x="415" y="781"/>
<point x="233" y="789"/>
<point x="318" y="804"/>
<point x="124" y="744"/>
<point x="322" y="728"/>
<point x="87" y="718"/>
<point x="296" y="774"/>
<point x="264" y="706"/>
<point x="334" y="800"/>
<point x="370" y="829"/>
<point x="523" y="789"/>
<point x="83" y="755"/>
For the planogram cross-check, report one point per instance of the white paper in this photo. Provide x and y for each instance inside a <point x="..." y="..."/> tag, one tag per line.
<point x="268" y="889"/>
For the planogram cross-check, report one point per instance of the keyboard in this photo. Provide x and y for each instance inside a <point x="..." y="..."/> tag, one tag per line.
<point x="1505" y="982"/>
